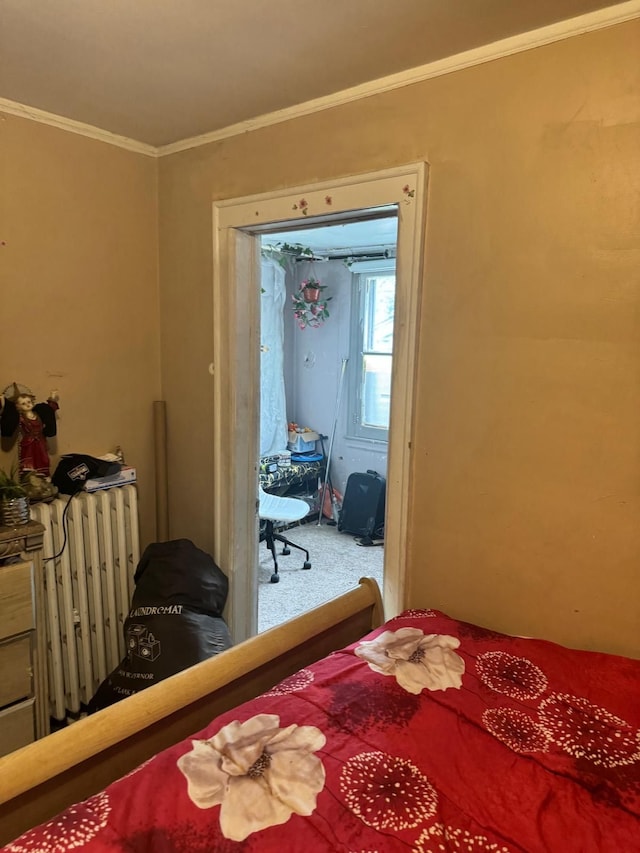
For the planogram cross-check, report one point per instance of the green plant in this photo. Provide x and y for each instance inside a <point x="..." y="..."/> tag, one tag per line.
<point x="310" y="311"/>
<point x="283" y="253"/>
<point x="10" y="485"/>
<point x="286" y="254"/>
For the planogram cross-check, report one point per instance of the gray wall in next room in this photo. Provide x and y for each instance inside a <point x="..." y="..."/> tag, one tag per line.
<point x="313" y="363"/>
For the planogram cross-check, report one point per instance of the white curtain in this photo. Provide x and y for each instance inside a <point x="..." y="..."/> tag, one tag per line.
<point x="273" y="407"/>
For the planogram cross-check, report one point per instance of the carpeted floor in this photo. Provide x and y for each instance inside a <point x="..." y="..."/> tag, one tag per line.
<point x="337" y="564"/>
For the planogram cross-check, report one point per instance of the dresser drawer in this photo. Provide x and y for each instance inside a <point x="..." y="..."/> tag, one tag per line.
<point x="16" y="599"/>
<point x="17" y="726"/>
<point x="16" y="681"/>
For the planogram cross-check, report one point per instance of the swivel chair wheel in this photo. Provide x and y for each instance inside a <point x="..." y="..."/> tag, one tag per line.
<point x="275" y="578"/>
<point x="307" y="565"/>
<point x="285" y="551"/>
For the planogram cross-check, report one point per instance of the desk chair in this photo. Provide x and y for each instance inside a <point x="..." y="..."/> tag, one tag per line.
<point x="274" y="508"/>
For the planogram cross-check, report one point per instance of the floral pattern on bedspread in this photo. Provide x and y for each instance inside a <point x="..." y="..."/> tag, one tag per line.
<point x="74" y="828"/>
<point x="260" y="774"/>
<point x="427" y="735"/>
<point x="417" y="660"/>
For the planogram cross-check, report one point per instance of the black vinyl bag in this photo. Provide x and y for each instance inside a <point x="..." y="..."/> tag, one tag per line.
<point x="363" y="505"/>
<point x="74" y="469"/>
<point x="175" y="619"/>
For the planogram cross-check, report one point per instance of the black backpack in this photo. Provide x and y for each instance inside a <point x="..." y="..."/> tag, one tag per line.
<point x="74" y="469"/>
<point x="363" y="505"/>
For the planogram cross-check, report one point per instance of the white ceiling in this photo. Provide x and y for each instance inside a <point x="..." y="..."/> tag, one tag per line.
<point x="343" y="237"/>
<point x="161" y="71"/>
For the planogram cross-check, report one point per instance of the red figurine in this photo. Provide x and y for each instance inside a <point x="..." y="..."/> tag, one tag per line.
<point x="34" y="422"/>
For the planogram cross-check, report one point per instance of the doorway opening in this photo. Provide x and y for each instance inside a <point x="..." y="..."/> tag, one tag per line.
<point x="327" y="297"/>
<point x="239" y="225"/>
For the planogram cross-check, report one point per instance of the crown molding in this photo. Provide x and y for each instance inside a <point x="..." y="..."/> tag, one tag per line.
<point x="600" y="19"/>
<point x="68" y="124"/>
<point x="559" y="31"/>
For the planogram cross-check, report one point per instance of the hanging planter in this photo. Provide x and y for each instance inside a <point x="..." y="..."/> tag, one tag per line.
<point x="308" y="308"/>
<point x="311" y="293"/>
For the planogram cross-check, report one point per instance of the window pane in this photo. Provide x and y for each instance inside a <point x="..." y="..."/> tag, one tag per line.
<point x="378" y="315"/>
<point x="376" y="391"/>
<point x="371" y="350"/>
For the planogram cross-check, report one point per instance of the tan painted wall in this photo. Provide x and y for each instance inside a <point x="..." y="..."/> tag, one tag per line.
<point x="79" y="308"/>
<point x="526" y="478"/>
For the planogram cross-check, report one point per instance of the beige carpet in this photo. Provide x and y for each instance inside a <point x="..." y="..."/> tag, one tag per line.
<point x="337" y="564"/>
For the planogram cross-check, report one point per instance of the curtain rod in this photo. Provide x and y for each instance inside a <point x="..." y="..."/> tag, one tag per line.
<point x="361" y="256"/>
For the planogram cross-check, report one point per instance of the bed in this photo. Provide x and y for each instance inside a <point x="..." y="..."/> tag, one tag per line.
<point x="340" y="733"/>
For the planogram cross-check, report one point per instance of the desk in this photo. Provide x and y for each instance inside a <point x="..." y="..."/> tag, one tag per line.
<point x="297" y="479"/>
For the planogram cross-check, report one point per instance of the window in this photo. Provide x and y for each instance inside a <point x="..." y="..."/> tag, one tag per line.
<point x="371" y="356"/>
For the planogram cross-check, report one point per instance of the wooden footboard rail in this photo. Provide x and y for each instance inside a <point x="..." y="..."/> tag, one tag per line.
<point x="40" y="780"/>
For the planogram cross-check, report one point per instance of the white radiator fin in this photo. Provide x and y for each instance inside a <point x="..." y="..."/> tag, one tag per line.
<point x="88" y="590"/>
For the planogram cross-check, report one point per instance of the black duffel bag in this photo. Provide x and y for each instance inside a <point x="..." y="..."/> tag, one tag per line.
<point x="175" y="619"/>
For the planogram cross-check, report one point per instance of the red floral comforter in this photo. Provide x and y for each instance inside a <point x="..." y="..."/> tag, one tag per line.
<point x="428" y="735"/>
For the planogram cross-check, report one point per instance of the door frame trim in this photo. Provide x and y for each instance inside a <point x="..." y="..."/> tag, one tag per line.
<point x="236" y="366"/>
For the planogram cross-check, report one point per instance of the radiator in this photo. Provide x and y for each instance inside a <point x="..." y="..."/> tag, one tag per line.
<point x="88" y="590"/>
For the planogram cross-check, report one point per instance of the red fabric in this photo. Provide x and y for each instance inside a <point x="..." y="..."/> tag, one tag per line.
<point x="537" y="750"/>
<point x="33" y="446"/>
<point x="327" y="509"/>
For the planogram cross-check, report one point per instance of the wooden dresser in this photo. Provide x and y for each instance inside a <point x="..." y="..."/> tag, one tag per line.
<point x="24" y="712"/>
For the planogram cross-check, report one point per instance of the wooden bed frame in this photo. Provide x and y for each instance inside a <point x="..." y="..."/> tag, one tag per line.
<point x="43" y="778"/>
